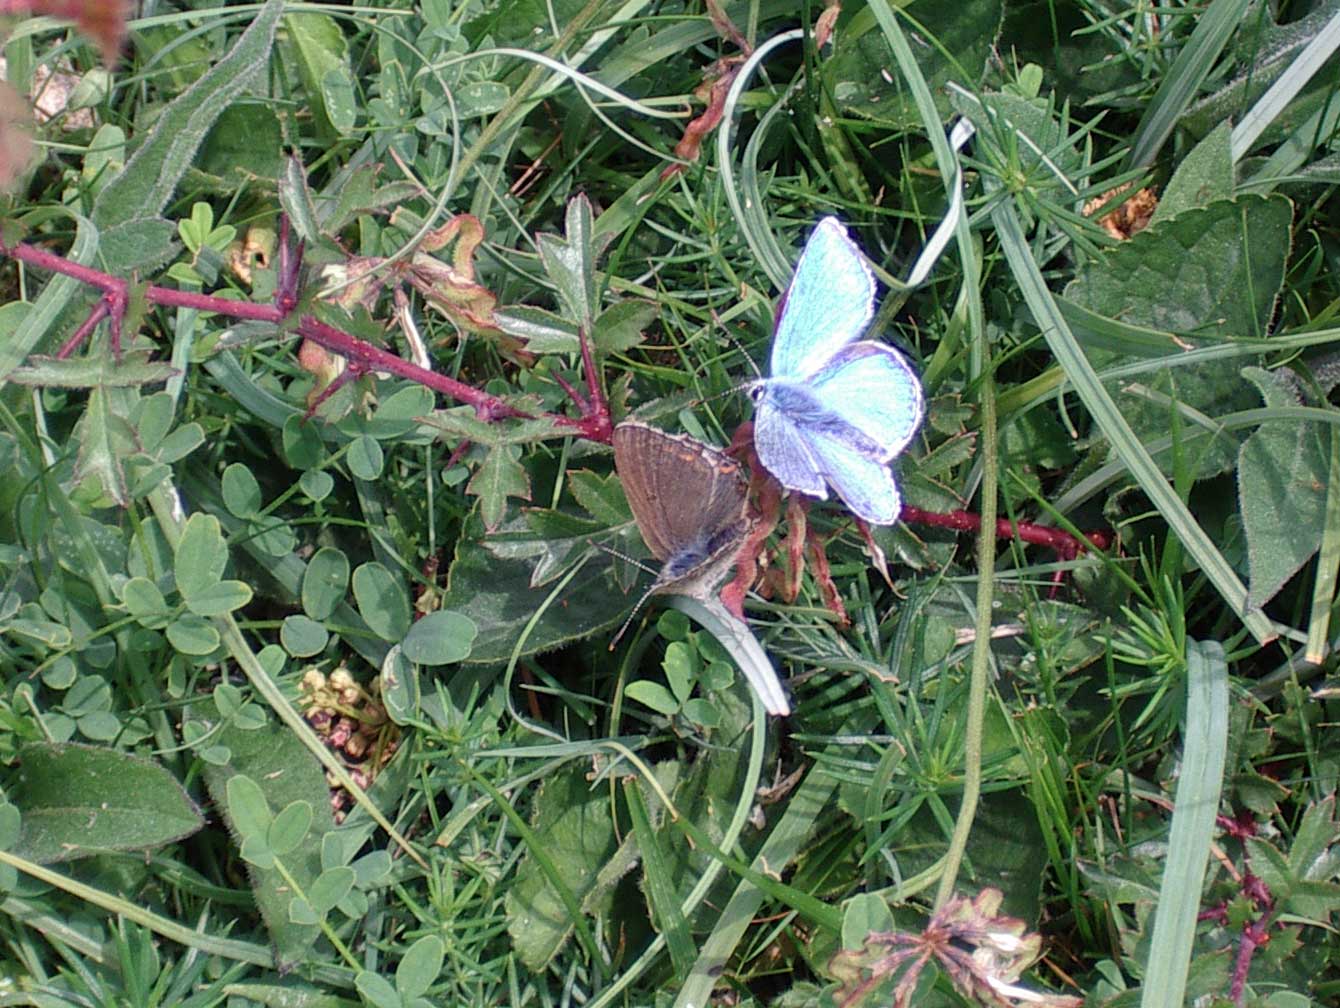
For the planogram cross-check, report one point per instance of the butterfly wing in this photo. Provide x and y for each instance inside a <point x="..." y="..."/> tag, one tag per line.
<point x="828" y="304"/>
<point x="781" y="445"/>
<point x="874" y="389"/>
<point x="686" y="497"/>
<point x="865" y="485"/>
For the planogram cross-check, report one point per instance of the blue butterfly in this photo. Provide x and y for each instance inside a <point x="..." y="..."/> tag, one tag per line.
<point x="837" y="408"/>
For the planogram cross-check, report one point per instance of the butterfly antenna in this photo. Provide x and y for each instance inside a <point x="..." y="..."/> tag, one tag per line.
<point x="730" y="338"/>
<point x="636" y="609"/>
<point x="640" y="602"/>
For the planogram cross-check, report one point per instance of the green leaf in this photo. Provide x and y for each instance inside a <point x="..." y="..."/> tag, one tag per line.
<point x="499" y="476"/>
<point x="103" y="439"/>
<point x="420" y="967"/>
<point x="653" y="695"/>
<point x="303" y="447"/>
<point x="316" y="484"/>
<point x="601" y="496"/>
<point x="400" y="688"/>
<point x="681" y="669"/>
<point x="101" y="370"/>
<point x="241" y="491"/>
<point x="145" y="602"/>
<point x="80" y="800"/>
<point x="323" y="64"/>
<point x="382" y="601"/>
<point x="273" y="754"/>
<point x="543" y="331"/>
<point x="246" y="141"/>
<point x="377" y="991"/>
<point x="325" y="582"/>
<point x="289" y="827"/>
<point x="200" y="557"/>
<point x="193" y="635"/>
<point x="1203" y="176"/>
<point x="620" y="326"/>
<point x="574" y="838"/>
<point x="331" y="886"/>
<point x="224" y="597"/>
<point x="496" y="588"/>
<point x="302" y="636"/>
<point x="365" y="458"/>
<point x="127" y="209"/>
<point x="858" y="73"/>
<point x="570" y="263"/>
<point x="1209" y="272"/>
<point x="1191" y="835"/>
<point x="440" y="638"/>
<point x="248" y="810"/>
<point x="1282" y="475"/>
<point x="480" y="98"/>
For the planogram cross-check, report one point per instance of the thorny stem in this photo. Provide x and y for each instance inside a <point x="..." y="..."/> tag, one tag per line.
<point x="594" y="424"/>
<point x="1066" y="545"/>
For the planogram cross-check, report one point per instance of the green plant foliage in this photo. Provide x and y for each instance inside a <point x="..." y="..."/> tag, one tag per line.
<point x="316" y="322"/>
<point x="78" y="800"/>
<point x="267" y="788"/>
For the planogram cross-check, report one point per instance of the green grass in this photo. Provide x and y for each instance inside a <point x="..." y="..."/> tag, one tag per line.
<point x="315" y="710"/>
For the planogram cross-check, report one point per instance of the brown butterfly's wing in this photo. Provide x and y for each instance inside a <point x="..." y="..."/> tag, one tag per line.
<point x="688" y="501"/>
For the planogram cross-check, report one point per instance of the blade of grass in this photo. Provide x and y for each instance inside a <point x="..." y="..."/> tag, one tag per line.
<point x="1205" y="743"/>
<point x="1328" y="563"/>
<point x="1193" y="64"/>
<point x="1285" y="89"/>
<point x="1110" y="420"/>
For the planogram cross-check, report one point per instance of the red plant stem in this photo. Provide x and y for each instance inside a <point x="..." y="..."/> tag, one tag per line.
<point x="594" y="423"/>
<point x="1254" y="935"/>
<point x="356" y="351"/>
<point x="1062" y="542"/>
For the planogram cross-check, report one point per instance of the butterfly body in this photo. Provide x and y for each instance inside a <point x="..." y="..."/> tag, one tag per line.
<point x="836" y="408"/>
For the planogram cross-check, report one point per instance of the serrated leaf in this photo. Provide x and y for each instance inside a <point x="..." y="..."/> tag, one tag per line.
<point x="570" y="263"/>
<point x="544" y="331"/>
<point x="499" y="476"/>
<point x="1282" y="476"/>
<point x="99" y="370"/>
<point x="497" y="594"/>
<point x="1214" y="271"/>
<point x="101" y="448"/>
<point x="80" y="800"/>
<point x="620" y="326"/>
<point x="601" y="496"/>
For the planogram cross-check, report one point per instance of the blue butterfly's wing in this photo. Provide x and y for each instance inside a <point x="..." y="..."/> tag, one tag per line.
<point x="865" y="485"/>
<point x="827" y="306"/>
<point x="874" y="389"/>
<point x="782" y="447"/>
